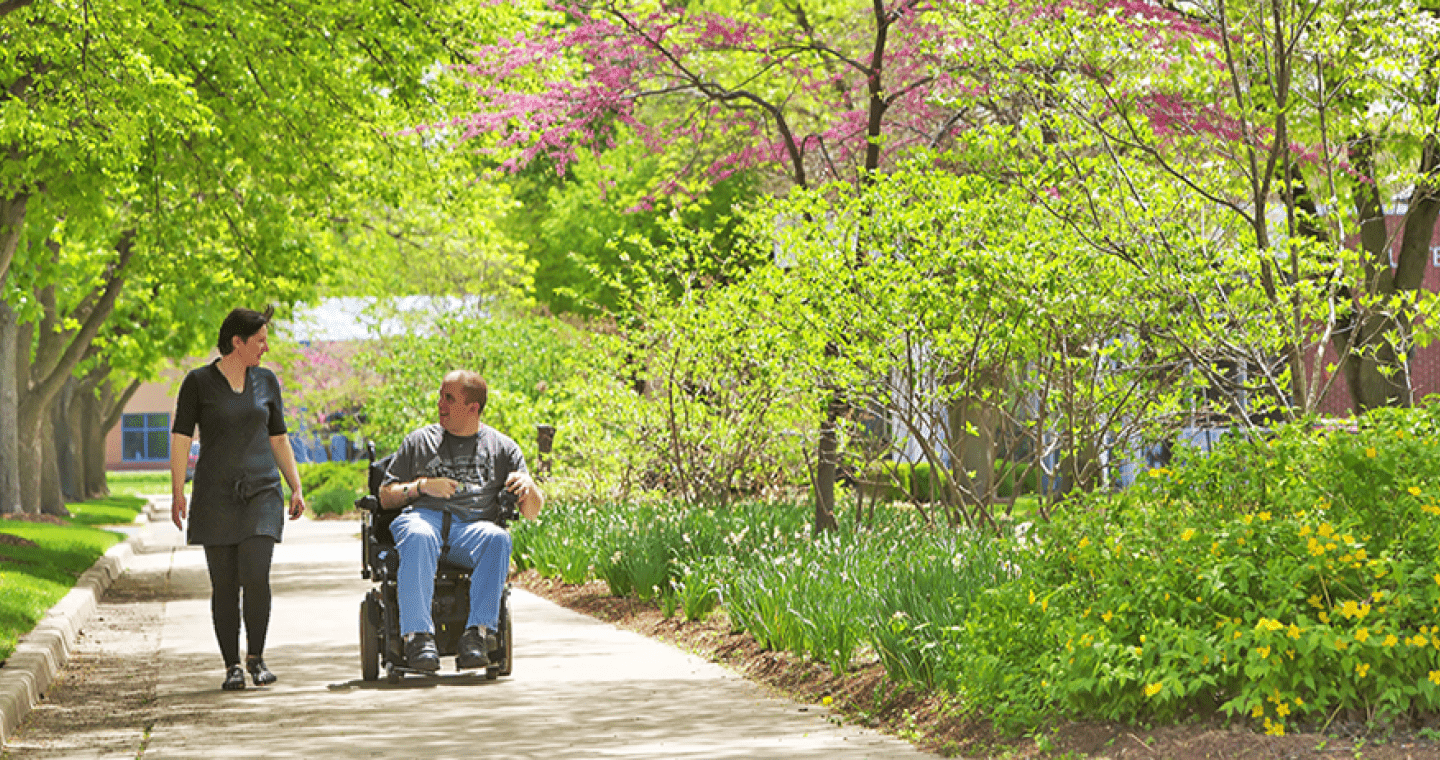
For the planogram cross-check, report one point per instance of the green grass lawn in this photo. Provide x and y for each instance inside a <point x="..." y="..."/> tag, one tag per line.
<point x="40" y="562"/>
<point x="138" y="483"/>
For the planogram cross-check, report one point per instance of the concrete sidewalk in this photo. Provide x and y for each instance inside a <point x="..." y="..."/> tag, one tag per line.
<point x="580" y="689"/>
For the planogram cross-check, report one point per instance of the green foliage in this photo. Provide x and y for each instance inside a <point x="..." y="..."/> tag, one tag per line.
<point x="137" y="482"/>
<point x="333" y="487"/>
<point x="34" y="578"/>
<point x="112" y="510"/>
<point x="1281" y="581"/>
<point x="526" y="363"/>
<point x="1285" y="580"/>
<point x="818" y="596"/>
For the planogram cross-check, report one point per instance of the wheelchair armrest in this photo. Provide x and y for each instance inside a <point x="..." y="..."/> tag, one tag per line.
<point x="368" y="503"/>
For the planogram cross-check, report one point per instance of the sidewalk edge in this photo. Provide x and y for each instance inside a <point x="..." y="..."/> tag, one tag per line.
<point x="42" y="652"/>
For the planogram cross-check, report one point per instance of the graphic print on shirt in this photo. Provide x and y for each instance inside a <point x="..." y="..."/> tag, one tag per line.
<point x="463" y="465"/>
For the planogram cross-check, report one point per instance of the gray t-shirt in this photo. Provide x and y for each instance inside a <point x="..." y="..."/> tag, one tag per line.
<point x="481" y="462"/>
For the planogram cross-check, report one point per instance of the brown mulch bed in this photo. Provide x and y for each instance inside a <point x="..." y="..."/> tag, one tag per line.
<point x="865" y="696"/>
<point x="10" y="539"/>
<point x="24" y="517"/>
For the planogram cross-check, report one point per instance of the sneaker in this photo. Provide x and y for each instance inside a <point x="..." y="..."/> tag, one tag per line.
<point x="259" y="673"/>
<point x="234" y="678"/>
<point x="471" y="650"/>
<point x="420" y="652"/>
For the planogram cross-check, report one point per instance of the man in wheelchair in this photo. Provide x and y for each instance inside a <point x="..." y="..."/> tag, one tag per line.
<point x="446" y="478"/>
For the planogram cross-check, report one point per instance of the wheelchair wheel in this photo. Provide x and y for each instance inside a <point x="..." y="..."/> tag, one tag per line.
<point x="369" y="640"/>
<point x="507" y="649"/>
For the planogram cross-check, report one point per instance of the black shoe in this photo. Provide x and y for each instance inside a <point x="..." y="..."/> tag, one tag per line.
<point x="421" y="654"/>
<point x="234" y="678"/>
<point x="259" y="673"/>
<point x="472" y="648"/>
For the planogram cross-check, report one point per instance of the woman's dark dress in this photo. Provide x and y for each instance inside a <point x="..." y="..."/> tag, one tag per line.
<point x="236" y="492"/>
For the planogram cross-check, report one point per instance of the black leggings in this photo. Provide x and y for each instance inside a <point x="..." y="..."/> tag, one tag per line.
<point x="232" y="568"/>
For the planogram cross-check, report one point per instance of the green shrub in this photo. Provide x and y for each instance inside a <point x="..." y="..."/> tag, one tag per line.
<point x="921" y="487"/>
<point x="333" y="487"/>
<point x="1282" y="581"/>
<point x="1006" y="474"/>
<point x="887" y="481"/>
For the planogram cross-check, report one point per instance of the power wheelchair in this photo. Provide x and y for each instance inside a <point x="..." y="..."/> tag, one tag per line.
<point x="381" y="644"/>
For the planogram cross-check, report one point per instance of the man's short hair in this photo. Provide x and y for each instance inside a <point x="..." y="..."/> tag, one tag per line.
<point x="475" y="389"/>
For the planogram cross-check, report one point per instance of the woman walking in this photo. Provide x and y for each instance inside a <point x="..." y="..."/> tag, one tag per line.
<point x="236" y="510"/>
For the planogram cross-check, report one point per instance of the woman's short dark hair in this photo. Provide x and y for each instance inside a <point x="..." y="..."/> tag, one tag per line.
<point x="242" y="323"/>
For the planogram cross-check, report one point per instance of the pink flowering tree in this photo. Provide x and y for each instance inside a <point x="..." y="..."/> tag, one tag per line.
<point x="807" y="94"/>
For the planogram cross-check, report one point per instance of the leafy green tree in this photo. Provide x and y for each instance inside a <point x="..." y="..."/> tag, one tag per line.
<point x="1282" y="130"/>
<point x="194" y="155"/>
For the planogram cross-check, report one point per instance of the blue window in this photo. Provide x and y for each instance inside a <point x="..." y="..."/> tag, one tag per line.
<point x="145" y="437"/>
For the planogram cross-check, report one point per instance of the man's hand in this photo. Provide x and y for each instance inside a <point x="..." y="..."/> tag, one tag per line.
<point x="440" y="488"/>
<point x="520" y="484"/>
<point x="523" y="486"/>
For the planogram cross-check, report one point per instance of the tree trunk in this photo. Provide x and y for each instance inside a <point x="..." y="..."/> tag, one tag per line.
<point x="31" y="433"/>
<point x="52" y="501"/>
<point x="105" y="410"/>
<point x="827" y="463"/>
<point x="70" y="464"/>
<point x="56" y="354"/>
<point x="972" y="432"/>
<point x="10" y="496"/>
<point x="1369" y="342"/>
<point x="12" y="221"/>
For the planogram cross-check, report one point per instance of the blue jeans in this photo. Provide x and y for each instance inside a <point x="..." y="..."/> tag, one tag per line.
<point x="482" y="546"/>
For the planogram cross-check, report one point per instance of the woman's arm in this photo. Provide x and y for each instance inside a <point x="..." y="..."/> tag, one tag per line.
<point x="179" y="460"/>
<point x="285" y="458"/>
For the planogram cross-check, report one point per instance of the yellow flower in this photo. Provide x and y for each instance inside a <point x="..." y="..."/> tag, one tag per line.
<point x="1084" y="542"/>
<point x="1349" y="609"/>
<point x="1258" y="711"/>
<point x="1139" y="651"/>
<point x="1324" y="616"/>
<point x="826" y="701"/>
<point x="1274" y="729"/>
<point x="1107" y="616"/>
<point x="1247" y="519"/>
<point x="1282" y="709"/>
<point x="1371" y="453"/>
<point x="1153" y="689"/>
<point x="1362" y="669"/>
<point x="1188" y="534"/>
<point x="1264" y="516"/>
<point x="1315" y="602"/>
<point x="1414" y="490"/>
<point x="1435" y="676"/>
<point x="1264" y="652"/>
<point x="1391" y="641"/>
<point x="1325" y="530"/>
<point x="1362" y="634"/>
<point x="1362" y="555"/>
<point x="1304" y="530"/>
<point x="1294" y="632"/>
<point x="1032" y="597"/>
<point x="1341" y="644"/>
